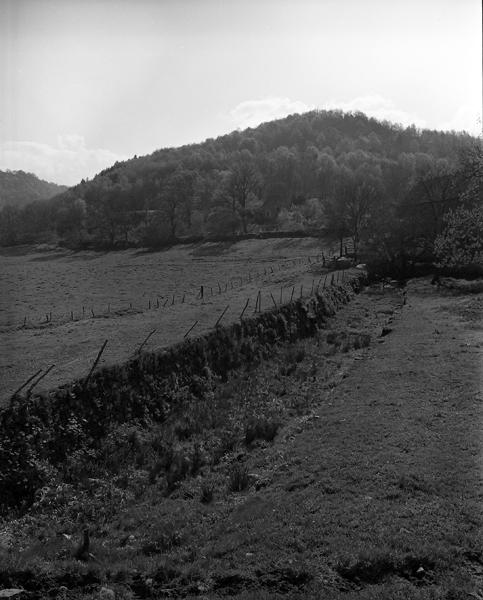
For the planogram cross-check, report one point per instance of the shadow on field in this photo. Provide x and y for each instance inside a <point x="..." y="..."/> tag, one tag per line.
<point x="212" y="248"/>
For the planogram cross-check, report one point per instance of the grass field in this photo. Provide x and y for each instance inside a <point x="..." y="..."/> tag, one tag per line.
<point x="57" y="308"/>
<point x="351" y="469"/>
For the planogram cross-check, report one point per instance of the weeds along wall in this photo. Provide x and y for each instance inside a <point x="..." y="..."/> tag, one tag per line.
<point x="39" y="432"/>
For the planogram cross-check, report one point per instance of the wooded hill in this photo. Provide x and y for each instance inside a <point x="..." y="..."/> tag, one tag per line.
<point x="386" y="186"/>
<point x="18" y="188"/>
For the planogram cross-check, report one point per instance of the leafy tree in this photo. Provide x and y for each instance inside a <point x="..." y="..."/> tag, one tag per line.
<point x="222" y="221"/>
<point x="460" y="243"/>
<point x="242" y="188"/>
<point x="70" y="222"/>
<point x="10" y="225"/>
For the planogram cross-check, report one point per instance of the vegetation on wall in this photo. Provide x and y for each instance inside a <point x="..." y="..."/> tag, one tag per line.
<point x="42" y="431"/>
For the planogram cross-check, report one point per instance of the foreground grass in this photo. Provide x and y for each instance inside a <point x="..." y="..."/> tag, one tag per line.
<point x="333" y="470"/>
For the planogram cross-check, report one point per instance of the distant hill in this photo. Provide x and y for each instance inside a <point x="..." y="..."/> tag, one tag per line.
<point x="18" y="188"/>
<point x="385" y="186"/>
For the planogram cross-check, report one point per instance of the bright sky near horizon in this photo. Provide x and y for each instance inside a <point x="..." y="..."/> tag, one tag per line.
<point x="84" y="83"/>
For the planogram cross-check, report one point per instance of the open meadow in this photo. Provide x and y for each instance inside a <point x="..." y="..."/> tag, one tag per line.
<point x="58" y="307"/>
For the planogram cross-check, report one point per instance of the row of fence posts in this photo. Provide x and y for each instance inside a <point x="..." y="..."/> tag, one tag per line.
<point x="171" y="299"/>
<point x="335" y="277"/>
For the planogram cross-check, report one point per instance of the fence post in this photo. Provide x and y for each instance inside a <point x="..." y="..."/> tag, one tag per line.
<point x="244" y="308"/>
<point x="98" y="357"/>
<point x="191" y="328"/>
<point x="221" y="316"/>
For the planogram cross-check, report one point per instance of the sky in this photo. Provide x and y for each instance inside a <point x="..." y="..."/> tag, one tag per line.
<point x="84" y="83"/>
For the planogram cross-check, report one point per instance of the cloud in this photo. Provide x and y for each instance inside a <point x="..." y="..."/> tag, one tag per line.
<point x="251" y="113"/>
<point x="379" y="107"/>
<point x="71" y="141"/>
<point x="67" y="163"/>
<point x="466" y="118"/>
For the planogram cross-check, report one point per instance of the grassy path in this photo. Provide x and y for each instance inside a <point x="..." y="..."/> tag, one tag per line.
<point x="379" y="496"/>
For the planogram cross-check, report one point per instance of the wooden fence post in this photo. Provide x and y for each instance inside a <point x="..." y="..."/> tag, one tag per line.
<point x="191" y="328"/>
<point x="221" y="316"/>
<point x="244" y="308"/>
<point x="98" y="358"/>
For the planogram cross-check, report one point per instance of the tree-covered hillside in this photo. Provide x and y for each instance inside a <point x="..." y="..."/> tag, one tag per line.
<point x="385" y="186"/>
<point x="18" y="188"/>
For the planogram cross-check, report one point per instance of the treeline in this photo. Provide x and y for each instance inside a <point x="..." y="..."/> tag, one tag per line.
<point x="385" y="186"/>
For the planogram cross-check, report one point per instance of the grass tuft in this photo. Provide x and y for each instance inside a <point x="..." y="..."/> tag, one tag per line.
<point x="238" y="477"/>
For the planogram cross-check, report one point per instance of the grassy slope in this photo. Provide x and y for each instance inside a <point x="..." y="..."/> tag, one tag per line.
<point x="109" y="283"/>
<point x="370" y="490"/>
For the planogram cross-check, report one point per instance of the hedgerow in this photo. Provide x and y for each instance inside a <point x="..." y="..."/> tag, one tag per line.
<point x="42" y="431"/>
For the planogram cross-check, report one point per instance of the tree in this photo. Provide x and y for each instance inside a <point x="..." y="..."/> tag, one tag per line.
<point x="71" y="221"/>
<point x="176" y="198"/>
<point x="335" y="220"/>
<point x="460" y="244"/>
<point x="243" y="187"/>
<point x="10" y="225"/>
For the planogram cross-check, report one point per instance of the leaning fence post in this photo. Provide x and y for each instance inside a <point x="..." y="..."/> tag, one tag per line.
<point x="98" y="357"/>
<point x="221" y="316"/>
<point x="244" y="308"/>
<point x="191" y="328"/>
<point x="26" y="383"/>
<point x="39" y="379"/>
